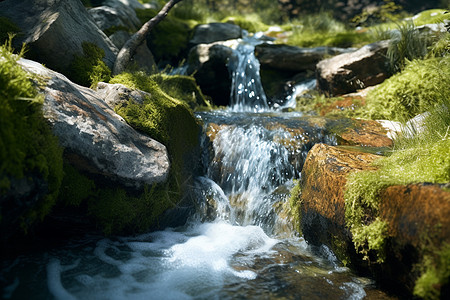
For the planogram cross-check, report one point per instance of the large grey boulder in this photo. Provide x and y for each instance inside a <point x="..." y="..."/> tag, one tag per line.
<point x="214" y="32"/>
<point x="55" y="30"/>
<point x="114" y="13"/>
<point x="208" y="63"/>
<point x="348" y="72"/>
<point x="291" y="58"/>
<point x="97" y="139"/>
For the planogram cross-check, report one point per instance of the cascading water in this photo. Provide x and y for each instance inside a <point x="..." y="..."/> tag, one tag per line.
<point x="247" y="93"/>
<point x="236" y="245"/>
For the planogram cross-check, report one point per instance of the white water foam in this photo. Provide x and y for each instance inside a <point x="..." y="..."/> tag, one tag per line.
<point x="163" y="265"/>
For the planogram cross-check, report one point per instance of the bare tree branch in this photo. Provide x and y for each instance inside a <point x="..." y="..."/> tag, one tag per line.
<point x="128" y="50"/>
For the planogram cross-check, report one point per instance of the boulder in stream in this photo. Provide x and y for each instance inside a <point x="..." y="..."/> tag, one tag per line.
<point x="415" y="216"/>
<point x="208" y="64"/>
<point x="55" y="31"/>
<point x="348" y="72"/>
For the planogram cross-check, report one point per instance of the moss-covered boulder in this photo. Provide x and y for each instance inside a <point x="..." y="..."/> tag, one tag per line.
<point x="398" y="234"/>
<point x="55" y="31"/>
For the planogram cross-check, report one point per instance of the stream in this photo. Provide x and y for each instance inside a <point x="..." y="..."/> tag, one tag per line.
<point x="237" y="245"/>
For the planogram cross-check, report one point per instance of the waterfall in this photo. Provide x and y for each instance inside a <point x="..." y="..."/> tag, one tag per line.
<point x="250" y="163"/>
<point x="247" y="93"/>
<point x="231" y="247"/>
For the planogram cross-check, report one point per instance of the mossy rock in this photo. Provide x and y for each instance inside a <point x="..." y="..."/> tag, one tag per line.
<point x="182" y="87"/>
<point x="431" y="16"/>
<point x="89" y="69"/>
<point x="418" y="88"/>
<point x="166" y="119"/>
<point x="28" y="149"/>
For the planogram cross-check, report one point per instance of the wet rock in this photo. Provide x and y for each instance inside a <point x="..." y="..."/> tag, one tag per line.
<point x="54" y="31"/>
<point x="291" y="58"/>
<point x="208" y="63"/>
<point x="323" y="180"/>
<point x="417" y="210"/>
<point x="348" y="72"/>
<point x="95" y="138"/>
<point x="214" y="32"/>
<point x="412" y="212"/>
<point x="365" y="133"/>
<point x="134" y="4"/>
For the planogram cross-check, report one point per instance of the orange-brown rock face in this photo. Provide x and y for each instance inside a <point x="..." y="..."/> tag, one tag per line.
<point x="417" y="216"/>
<point x="366" y="133"/>
<point x="416" y="212"/>
<point x="324" y="177"/>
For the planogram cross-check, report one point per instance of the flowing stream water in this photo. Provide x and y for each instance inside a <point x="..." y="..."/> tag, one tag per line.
<point x="238" y="244"/>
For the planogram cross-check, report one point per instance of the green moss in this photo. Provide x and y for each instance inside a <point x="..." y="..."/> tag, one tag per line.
<point x="295" y="206"/>
<point x="7" y="27"/>
<point x="119" y="211"/>
<point x="333" y="39"/>
<point x="111" y="30"/>
<point x="89" y="69"/>
<point x="423" y="163"/>
<point x="27" y="145"/>
<point x="75" y="187"/>
<point x="169" y="121"/>
<point x="183" y="88"/>
<point x="323" y="30"/>
<point x="169" y="38"/>
<point x="419" y="87"/>
<point x="431" y="16"/>
<point x="435" y="273"/>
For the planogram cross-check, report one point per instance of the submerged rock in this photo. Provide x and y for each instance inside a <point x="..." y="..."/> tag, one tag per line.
<point x="348" y="72"/>
<point x="96" y="137"/>
<point x="54" y="31"/>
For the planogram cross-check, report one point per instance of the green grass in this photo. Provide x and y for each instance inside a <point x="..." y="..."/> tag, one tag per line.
<point x="323" y="30"/>
<point x="249" y="22"/>
<point x="419" y="87"/>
